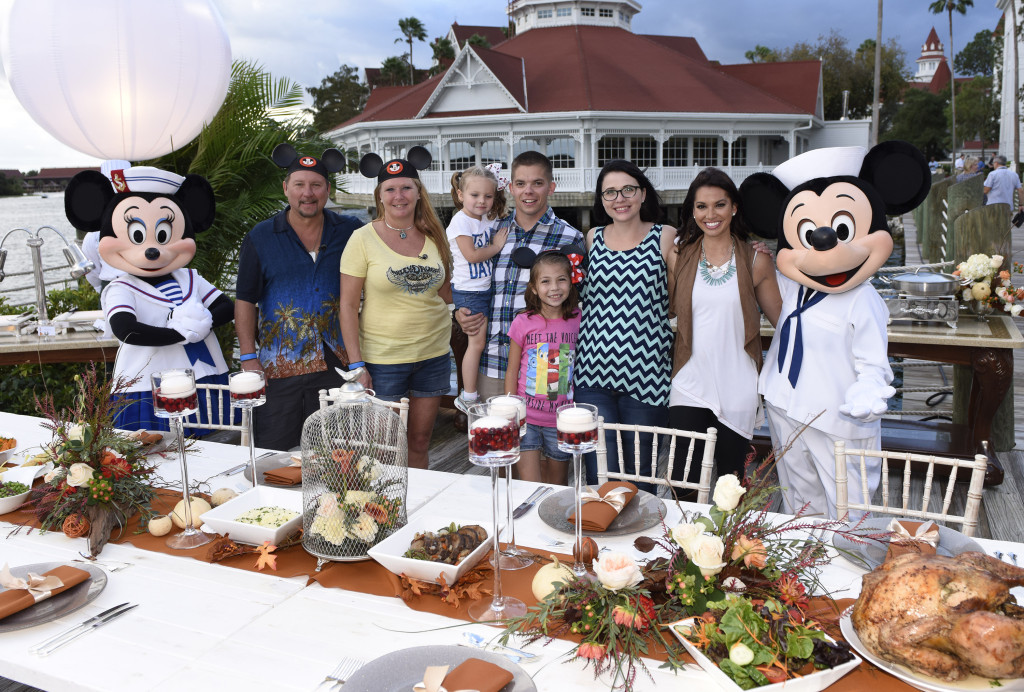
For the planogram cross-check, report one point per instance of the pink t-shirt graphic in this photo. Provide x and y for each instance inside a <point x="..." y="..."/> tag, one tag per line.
<point x="545" y="370"/>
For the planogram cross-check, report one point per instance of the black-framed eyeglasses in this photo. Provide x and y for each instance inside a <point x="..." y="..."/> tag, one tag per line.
<point x="627" y="192"/>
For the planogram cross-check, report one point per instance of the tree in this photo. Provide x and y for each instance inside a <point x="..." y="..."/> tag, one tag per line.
<point x="394" y="71"/>
<point x="444" y="54"/>
<point x="979" y="110"/>
<point x="413" y="29"/>
<point x="921" y="122"/>
<point x="478" y="40"/>
<point x="10" y="187"/>
<point x="762" y="54"/>
<point x="949" y="6"/>
<point x="978" y="57"/>
<point x="339" y="97"/>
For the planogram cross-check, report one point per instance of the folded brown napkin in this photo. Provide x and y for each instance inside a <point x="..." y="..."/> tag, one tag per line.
<point x="475" y="674"/>
<point x="16" y="600"/>
<point x="912" y="537"/>
<point x="600" y="507"/>
<point x="286" y="475"/>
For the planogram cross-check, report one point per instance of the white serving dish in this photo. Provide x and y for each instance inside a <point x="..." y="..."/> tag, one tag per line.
<point x="814" y="682"/>
<point x="25" y="474"/>
<point x="390" y="552"/>
<point x="8" y="453"/>
<point x="222" y="519"/>
<point x="9" y="504"/>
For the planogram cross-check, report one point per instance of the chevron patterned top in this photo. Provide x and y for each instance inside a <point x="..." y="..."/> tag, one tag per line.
<point x="625" y="340"/>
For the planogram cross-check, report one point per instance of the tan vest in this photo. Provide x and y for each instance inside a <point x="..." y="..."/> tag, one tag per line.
<point x="680" y="305"/>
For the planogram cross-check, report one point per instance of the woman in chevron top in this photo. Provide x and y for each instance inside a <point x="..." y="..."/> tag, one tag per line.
<point x="622" y="356"/>
<point x="716" y="285"/>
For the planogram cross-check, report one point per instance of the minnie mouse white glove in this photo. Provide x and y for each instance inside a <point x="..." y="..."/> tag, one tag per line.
<point x="192" y="320"/>
<point x="866" y="401"/>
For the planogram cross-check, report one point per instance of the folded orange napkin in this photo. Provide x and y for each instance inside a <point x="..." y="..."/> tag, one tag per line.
<point x="14" y="600"/>
<point x="912" y="537"/>
<point x="600" y="507"/>
<point x="475" y="674"/>
<point x="286" y="475"/>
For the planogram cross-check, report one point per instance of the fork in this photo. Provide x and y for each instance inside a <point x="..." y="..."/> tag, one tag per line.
<point x="343" y="672"/>
<point x="115" y="566"/>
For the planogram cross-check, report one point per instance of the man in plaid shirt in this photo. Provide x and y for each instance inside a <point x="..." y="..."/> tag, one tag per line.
<point x="531" y="224"/>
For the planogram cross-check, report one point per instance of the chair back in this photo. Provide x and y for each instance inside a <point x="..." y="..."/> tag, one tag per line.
<point x="672" y="437"/>
<point x="401" y="407"/>
<point x="216" y="399"/>
<point x="971" y="470"/>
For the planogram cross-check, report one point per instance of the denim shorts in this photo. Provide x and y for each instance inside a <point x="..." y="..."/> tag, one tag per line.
<point x="546" y="440"/>
<point x="476" y="301"/>
<point x="424" y="378"/>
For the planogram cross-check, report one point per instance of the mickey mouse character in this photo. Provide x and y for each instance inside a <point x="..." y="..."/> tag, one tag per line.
<point x="162" y="313"/>
<point x="827" y="365"/>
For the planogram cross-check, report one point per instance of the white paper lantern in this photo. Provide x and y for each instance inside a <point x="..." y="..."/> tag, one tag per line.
<point x="118" y="79"/>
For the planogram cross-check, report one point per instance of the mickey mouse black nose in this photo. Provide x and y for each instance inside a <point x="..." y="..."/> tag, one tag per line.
<point x="822" y="238"/>
<point x="152" y="253"/>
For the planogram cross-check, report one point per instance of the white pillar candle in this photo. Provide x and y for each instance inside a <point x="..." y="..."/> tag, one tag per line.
<point x="490" y="422"/>
<point x="245" y="383"/>
<point x="576" y="420"/>
<point x="515" y="402"/>
<point x="176" y="385"/>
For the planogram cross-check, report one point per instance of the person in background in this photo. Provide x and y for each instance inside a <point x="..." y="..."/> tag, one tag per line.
<point x="1002" y="186"/>
<point x="400" y="265"/>
<point x="286" y="308"/>
<point x="970" y="169"/>
<point x="479" y="198"/>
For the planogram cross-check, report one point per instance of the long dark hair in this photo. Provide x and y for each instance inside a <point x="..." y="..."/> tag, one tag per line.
<point x="533" y="303"/>
<point x="650" y="211"/>
<point x="689" y="231"/>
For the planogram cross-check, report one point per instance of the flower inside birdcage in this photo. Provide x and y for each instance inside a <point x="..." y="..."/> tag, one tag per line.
<point x="361" y="509"/>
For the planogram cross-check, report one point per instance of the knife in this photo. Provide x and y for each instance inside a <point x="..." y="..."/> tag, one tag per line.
<point x="104" y="619"/>
<point x="87" y="623"/>
<point x="530" y="502"/>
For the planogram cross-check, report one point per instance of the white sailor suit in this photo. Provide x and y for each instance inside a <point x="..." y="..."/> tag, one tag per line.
<point x="844" y="343"/>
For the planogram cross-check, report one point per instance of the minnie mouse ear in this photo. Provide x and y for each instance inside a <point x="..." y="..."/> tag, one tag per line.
<point x="524" y="257"/>
<point x="419" y="158"/>
<point x="333" y="160"/>
<point x="370" y="165"/>
<point x="284" y="155"/>
<point x="573" y="249"/>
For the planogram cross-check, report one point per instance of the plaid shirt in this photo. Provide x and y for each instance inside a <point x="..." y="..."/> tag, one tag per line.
<point x="510" y="281"/>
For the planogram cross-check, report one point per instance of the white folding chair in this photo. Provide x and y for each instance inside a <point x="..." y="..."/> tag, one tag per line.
<point x="702" y="486"/>
<point x="401" y="407"/>
<point x="968" y="520"/>
<point x="216" y="398"/>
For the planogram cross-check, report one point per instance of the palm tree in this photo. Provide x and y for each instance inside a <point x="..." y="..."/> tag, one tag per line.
<point x="444" y="53"/>
<point x="412" y="29"/>
<point x="949" y="6"/>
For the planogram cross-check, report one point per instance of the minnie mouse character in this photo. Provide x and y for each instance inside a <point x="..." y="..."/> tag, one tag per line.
<point x="162" y="313"/>
<point x="827" y="366"/>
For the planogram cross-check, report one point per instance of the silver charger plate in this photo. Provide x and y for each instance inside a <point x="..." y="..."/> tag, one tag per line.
<point x="398" y="671"/>
<point x="58" y="606"/>
<point x="269" y="463"/>
<point x="872" y="551"/>
<point x="643" y="512"/>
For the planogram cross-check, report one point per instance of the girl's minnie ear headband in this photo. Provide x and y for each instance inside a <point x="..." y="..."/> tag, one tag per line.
<point x="373" y="166"/>
<point x="526" y="258"/>
<point x="495" y="169"/>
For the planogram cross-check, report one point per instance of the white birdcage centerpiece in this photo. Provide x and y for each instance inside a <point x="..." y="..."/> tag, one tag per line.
<point x="354" y="476"/>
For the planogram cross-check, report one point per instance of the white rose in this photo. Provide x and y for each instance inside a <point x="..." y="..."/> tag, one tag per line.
<point x="967" y="295"/>
<point x="55" y="473"/>
<point x="997" y="261"/>
<point x="332" y="529"/>
<point x="617" y="571"/>
<point x="368" y="466"/>
<point x="327" y="506"/>
<point x="79" y="475"/>
<point x="1016" y="310"/>
<point x="728" y="492"/>
<point x="707" y="554"/>
<point x="365" y="528"/>
<point x="684" y="534"/>
<point x="359" y="497"/>
<point x="76" y="433"/>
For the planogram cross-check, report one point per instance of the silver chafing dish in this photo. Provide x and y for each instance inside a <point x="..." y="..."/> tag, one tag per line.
<point x="924" y="295"/>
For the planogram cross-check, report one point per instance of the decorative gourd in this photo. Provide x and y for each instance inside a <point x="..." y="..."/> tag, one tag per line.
<point x="160" y="526"/>
<point x="199" y="507"/>
<point x="544" y="580"/>
<point x="221" y="496"/>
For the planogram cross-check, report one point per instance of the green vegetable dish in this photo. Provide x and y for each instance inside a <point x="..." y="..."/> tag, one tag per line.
<point x="11" y="489"/>
<point x="759" y="643"/>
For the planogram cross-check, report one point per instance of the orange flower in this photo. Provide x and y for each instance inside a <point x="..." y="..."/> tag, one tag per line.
<point x="108" y="457"/>
<point x="591" y="650"/>
<point x="1004" y="275"/>
<point x="626" y="616"/>
<point x="751" y="550"/>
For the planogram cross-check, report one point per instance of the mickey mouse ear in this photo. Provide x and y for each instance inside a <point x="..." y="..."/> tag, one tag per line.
<point x="572" y="249"/>
<point x="284" y="154"/>
<point x="333" y="160"/>
<point x="370" y="165"/>
<point x="419" y="158"/>
<point x="524" y="257"/>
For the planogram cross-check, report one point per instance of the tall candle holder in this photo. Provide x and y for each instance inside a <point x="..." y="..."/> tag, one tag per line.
<point x="576" y="425"/>
<point x="493" y="443"/>
<point x="248" y="389"/>
<point x="512" y="557"/>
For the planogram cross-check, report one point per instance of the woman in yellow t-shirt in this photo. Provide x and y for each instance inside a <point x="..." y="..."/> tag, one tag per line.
<point x="400" y="264"/>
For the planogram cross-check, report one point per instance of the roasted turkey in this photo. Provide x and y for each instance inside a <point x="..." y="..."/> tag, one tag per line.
<point x="946" y="617"/>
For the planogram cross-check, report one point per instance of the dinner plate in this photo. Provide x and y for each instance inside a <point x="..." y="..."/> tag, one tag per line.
<point x="872" y="551"/>
<point x="643" y="512"/>
<point x="923" y="682"/>
<point x="60" y="605"/>
<point x="269" y="463"/>
<point x="398" y="671"/>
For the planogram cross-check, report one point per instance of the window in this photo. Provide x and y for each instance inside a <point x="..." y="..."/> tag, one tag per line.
<point x="738" y="152"/>
<point x="564" y="11"/>
<point x="562" y="152"/>
<point x="609" y="148"/>
<point x="461" y="155"/>
<point x="587" y="11"/>
<point x="705" y="151"/>
<point x="524" y="145"/>
<point x="606" y="12"/>
<point x="643" y="151"/>
<point x="494" y="151"/>
<point x="673" y="152"/>
<point x="544" y="14"/>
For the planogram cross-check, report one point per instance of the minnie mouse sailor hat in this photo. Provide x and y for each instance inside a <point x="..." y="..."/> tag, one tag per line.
<point x="127" y="178"/>
<point x="820" y="163"/>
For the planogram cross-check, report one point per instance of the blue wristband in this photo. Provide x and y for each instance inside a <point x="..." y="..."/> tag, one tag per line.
<point x="357" y="364"/>
<point x="247" y="356"/>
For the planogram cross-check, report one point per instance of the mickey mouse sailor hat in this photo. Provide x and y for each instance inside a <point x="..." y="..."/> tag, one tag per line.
<point x="820" y="163"/>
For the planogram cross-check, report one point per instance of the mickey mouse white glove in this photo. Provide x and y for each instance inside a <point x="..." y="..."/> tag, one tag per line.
<point x="866" y="401"/>
<point x="192" y="320"/>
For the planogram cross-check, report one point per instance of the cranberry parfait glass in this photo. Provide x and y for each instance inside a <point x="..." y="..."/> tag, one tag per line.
<point x="493" y="443"/>
<point x="576" y="427"/>
<point x="175" y="397"/>
<point x="512" y="557"/>
<point x="248" y="389"/>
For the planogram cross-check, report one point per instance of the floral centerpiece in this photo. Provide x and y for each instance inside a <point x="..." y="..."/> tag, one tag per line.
<point x="100" y="477"/>
<point x="1009" y="296"/>
<point x="979" y="273"/>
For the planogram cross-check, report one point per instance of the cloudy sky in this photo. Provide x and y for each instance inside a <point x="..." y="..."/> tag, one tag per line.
<point x="307" y="41"/>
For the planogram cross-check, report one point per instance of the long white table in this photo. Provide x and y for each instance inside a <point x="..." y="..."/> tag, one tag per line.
<point x="211" y="627"/>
